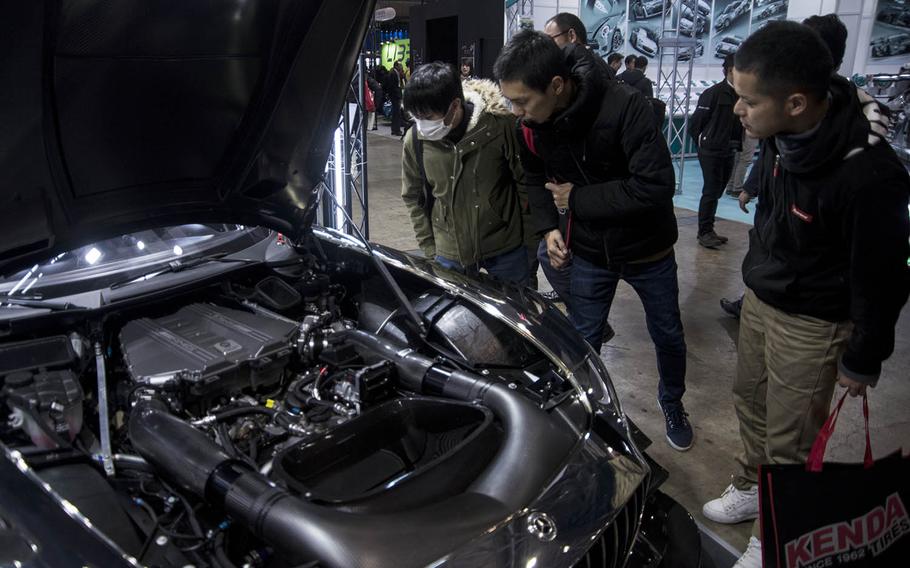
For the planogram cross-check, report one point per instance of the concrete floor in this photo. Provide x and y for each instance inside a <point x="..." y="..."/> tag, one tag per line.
<point x="704" y="276"/>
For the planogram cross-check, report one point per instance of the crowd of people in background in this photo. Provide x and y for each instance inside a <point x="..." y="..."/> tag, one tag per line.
<point x="562" y="162"/>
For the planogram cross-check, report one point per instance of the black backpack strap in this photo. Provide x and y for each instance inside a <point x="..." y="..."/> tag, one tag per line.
<point x="426" y="199"/>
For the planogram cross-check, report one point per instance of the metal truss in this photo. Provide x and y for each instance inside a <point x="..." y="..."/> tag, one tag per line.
<point x="346" y="170"/>
<point x="674" y="83"/>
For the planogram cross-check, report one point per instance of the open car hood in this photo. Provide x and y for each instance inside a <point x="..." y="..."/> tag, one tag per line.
<point x="134" y="114"/>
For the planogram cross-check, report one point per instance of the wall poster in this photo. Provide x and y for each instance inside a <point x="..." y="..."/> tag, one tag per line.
<point x="695" y="22"/>
<point x="764" y="11"/>
<point x="890" y="40"/>
<point x="645" y="17"/>
<point x="730" y="26"/>
<point x="718" y="26"/>
<point x="605" y="21"/>
<point x="633" y="26"/>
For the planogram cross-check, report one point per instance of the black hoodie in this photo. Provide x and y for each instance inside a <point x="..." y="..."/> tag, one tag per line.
<point x="831" y="231"/>
<point x="637" y="80"/>
<point x="607" y="145"/>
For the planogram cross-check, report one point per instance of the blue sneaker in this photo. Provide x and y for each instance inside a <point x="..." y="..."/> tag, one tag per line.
<point x="679" y="431"/>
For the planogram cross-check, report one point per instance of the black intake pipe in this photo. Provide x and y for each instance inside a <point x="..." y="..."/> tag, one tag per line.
<point x="535" y="445"/>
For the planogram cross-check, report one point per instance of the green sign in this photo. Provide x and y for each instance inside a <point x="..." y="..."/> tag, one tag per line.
<point x="396" y="50"/>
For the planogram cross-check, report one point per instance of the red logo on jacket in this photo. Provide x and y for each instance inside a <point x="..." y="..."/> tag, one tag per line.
<point x="803" y="216"/>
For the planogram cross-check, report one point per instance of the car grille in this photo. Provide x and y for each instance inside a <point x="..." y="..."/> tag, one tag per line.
<point x="612" y="548"/>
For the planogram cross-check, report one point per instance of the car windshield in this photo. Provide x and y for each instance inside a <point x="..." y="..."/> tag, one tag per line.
<point x="98" y="264"/>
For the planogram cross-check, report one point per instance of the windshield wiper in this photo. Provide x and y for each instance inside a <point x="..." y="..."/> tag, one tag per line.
<point x="36" y="302"/>
<point x="179" y="266"/>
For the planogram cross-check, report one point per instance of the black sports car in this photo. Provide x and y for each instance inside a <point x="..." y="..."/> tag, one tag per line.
<point x="195" y="374"/>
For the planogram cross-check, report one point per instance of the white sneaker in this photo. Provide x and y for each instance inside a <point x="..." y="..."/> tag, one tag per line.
<point x="733" y="506"/>
<point x="751" y="558"/>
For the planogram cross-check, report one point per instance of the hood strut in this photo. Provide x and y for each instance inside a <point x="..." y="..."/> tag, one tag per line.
<point x="383" y="270"/>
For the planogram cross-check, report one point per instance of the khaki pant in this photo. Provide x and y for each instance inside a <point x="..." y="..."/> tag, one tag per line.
<point x="742" y="160"/>
<point x="785" y="377"/>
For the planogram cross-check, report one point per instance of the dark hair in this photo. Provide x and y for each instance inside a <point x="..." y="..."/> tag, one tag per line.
<point x="630" y="60"/>
<point x="769" y="55"/>
<point x="613" y="58"/>
<point x="833" y="32"/>
<point x="432" y="89"/>
<point x="566" y="21"/>
<point x="641" y="62"/>
<point x="728" y="63"/>
<point x="532" y="58"/>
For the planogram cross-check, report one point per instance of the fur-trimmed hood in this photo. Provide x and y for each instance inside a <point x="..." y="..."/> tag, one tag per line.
<point x="486" y="97"/>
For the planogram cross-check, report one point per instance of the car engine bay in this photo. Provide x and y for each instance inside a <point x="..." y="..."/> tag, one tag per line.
<point x="279" y="416"/>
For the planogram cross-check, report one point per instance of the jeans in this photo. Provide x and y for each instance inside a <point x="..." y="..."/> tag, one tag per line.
<point x="593" y="288"/>
<point x="716" y="171"/>
<point x="559" y="278"/>
<point x="510" y="266"/>
<point x="396" y="116"/>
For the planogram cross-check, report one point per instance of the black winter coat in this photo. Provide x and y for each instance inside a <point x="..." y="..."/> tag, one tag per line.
<point x="831" y="232"/>
<point x="716" y="130"/>
<point x="637" y="80"/>
<point x="606" y="144"/>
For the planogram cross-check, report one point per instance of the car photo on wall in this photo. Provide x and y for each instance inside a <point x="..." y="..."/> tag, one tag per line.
<point x="890" y="36"/>
<point x="686" y="54"/>
<point x="644" y="40"/>
<point x="606" y="35"/>
<point x="898" y="16"/>
<point x="727" y="45"/>
<point x="778" y="8"/>
<point x="890" y="45"/>
<point x="646" y="9"/>
<point x="689" y="8"/>
<point x="728" y="16"/>
<point x="692" y="28"/>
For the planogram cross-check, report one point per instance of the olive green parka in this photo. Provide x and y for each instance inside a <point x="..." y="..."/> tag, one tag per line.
<point x="477" y="213"/>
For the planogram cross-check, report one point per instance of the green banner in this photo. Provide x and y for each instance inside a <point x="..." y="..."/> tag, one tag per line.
<point x="396" y="50"/>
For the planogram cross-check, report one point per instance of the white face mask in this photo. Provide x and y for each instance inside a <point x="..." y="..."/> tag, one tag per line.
<point x="432" y="129"/>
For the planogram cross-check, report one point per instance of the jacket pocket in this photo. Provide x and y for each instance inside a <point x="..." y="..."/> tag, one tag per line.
<point x="493" y="216"/>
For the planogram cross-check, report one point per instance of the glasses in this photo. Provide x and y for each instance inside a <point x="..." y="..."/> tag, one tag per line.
<point x="560" y="34"/>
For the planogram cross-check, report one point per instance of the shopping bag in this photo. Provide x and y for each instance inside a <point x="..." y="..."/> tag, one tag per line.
<point x="832" y="515"/>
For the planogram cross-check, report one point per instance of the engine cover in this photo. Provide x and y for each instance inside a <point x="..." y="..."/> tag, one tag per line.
<point x="210" y="349"/>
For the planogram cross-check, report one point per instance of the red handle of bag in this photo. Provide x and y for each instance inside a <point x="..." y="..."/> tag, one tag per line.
<point x="817" y="454"/>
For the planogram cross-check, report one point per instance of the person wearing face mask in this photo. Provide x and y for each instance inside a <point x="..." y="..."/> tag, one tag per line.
<point x="461" y="174"/>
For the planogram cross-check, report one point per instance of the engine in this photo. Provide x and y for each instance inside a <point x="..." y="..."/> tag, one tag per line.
<point x="242" y="427"/>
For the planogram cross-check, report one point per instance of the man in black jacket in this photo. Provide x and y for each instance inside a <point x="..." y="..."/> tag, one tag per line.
<point x="826" y="270"/>
<point x="630" y="66"/>
<point x="600" y="183"/>
<point x="718" y="134"/>
<point x="566" y="28"/>
<point x="635" y="76"/>
<point x="393" y="92"/>
<point x="645" y="85"/>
